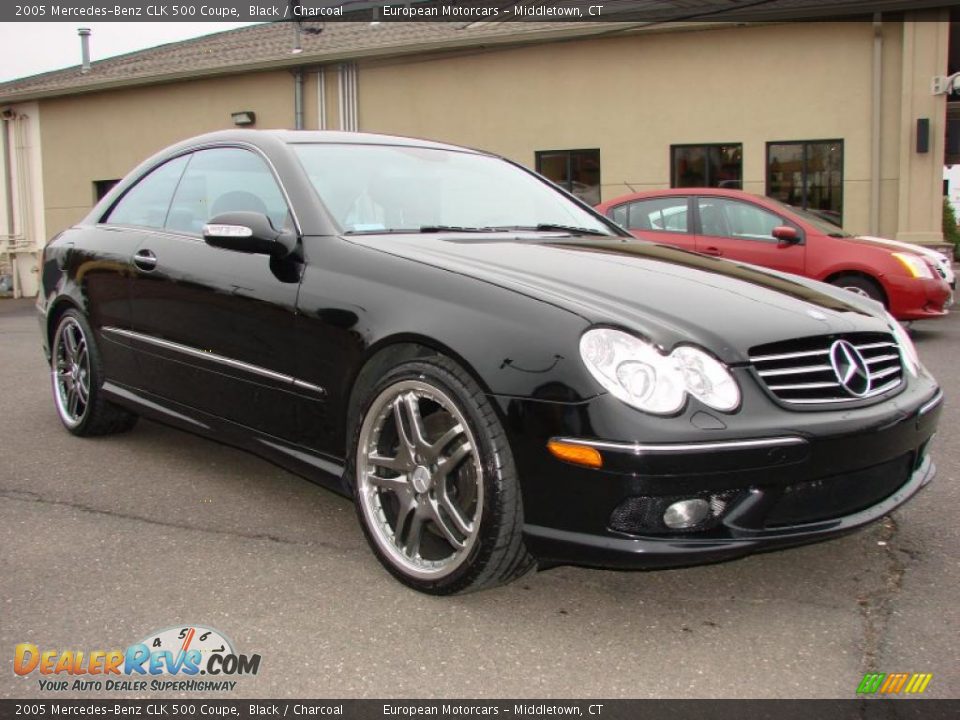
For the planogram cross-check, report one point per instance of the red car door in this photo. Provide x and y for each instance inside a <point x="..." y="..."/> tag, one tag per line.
<point x="743" y="231"/>
<point x="661" y="219"/>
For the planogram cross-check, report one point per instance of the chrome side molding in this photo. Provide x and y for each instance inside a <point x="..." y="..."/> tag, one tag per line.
<point x="215" y="358"/>
<point x="931" y="403"/>
<point x="684" y="448"/>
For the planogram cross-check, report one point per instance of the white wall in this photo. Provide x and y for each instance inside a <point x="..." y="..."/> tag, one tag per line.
<point x="27" y="225"/>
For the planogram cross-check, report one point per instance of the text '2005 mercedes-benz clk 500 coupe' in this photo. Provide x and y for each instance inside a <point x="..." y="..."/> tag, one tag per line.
<point x="497" y="375"/>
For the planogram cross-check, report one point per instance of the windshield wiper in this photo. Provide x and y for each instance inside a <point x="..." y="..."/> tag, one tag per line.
<point x="547" y="227"/>
<point x="379" y="231"/>
<point x="542" y="227"/>
<point x="454" y="228"/>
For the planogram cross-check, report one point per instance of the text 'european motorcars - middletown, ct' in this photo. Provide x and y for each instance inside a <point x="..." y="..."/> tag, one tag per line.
<point x="499" y="376"/>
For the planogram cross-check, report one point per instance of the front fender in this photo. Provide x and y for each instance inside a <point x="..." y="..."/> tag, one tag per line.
<point x="358" y="301"/>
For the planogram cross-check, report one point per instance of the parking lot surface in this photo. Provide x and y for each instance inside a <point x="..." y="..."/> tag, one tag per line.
<point x="104" y="541"/>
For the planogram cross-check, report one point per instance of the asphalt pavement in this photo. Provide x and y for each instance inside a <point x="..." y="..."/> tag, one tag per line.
<point x="104" y="541"/>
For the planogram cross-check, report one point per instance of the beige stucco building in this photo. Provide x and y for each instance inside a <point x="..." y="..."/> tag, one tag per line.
<point x="828" y="114"/>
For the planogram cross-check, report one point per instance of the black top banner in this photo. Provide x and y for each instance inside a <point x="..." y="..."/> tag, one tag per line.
<point x="867" y="709"/>
<point x="651" y="11"/>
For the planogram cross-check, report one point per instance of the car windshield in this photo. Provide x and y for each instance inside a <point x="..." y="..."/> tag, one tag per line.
<point x="390" y="188"/>
<point x="818" y="221"/>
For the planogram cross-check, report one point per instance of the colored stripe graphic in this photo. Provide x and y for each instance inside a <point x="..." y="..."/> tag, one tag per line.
<point x="870" y="683"/>
<point x="918" y="683"/>
<point x="894" y="683"/>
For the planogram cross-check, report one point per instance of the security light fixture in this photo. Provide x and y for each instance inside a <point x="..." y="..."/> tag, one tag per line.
<point x="243" y="117"/>
<point x="945" y="85"/>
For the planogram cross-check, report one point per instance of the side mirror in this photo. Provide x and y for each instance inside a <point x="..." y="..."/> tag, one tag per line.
<point x="786" y="235"/>
<point x="248" y="232"/>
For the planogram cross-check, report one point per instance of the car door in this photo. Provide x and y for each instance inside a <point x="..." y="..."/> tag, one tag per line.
<point x="214" y="329"/>
<point x="659" y="219"/>
<point x="103" y="264"/>
<point x="743" y="231"/>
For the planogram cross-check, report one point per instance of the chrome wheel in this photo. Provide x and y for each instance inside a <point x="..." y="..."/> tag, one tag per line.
<point x="856" y="290"/>
<point x="419" y="479"/>
<point x="71" y="372"/>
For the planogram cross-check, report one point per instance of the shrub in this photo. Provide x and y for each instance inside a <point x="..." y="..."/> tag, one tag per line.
<point x="951" y="233"/>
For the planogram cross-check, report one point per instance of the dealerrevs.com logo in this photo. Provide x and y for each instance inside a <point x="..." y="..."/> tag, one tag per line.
<point x="173" y="659"/>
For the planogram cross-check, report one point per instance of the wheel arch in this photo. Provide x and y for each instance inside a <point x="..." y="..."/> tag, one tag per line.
<point x="853" y="272"/>
<point x="55" y="311"/>
<point x="389" y="352"/>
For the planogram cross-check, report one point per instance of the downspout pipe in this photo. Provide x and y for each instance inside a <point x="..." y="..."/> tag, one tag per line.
<point x="298" y="99"/>
<point x="321" y="99"/>
<point x="8" y="172"/>
<point x="875" y="114"/>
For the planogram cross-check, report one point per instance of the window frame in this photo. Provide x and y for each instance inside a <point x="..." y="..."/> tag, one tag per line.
<point x="193" y="153"/>
<point x="102" y="218"/>
<point x="785" y="221"/>
<point x="679" y="196"/>
<point x="538" y="156"/>
<point x="706" y="147"/>
<point x="805" y="172"/>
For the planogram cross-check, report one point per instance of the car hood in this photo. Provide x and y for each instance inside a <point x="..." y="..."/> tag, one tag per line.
<point x="666" y="294"/>
<point x="888" y="244"/>
<point x="893" y="245"/>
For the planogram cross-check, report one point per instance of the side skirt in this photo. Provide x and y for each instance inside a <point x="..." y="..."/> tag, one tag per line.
<point x="320" y="469"/>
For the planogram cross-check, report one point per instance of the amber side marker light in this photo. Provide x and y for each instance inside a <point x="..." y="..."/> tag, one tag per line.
<point x="576" y="454"/>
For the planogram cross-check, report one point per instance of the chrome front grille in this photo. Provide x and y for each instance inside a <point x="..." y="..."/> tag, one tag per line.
<point x="829" y="369"/>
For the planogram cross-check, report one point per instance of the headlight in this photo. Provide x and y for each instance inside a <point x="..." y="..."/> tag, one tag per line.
<point x="908" y="351"/>
<point x="636" y="372"/>
<point x="915" y="265"/>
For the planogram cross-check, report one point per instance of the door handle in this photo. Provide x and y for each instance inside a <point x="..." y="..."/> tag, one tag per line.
<point x="715" y="252"/>
<point x="145" y="260"/>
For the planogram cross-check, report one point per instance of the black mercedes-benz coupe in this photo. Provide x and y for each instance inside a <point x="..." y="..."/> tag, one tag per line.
<point x="495" y="373"/>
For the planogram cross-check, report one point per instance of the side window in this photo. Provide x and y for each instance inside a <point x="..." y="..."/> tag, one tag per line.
<point x="147" y="202"/>
<point x="664" y="214"/>
<point x="619" y="215"/>
<point x="223" y="180"/>
<point x="738" y="220"/>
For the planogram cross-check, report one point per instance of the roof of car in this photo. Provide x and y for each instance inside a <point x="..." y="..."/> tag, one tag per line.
<point x="727" y="192"/>
<point x="313" y="137"/>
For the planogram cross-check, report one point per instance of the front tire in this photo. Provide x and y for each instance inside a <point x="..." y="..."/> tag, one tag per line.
<point x="435" y="486"/>
<point x="861" y="285"/>
<point x="77" y="379"/>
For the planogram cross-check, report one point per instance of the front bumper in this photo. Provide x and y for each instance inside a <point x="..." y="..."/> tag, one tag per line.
<point x="917" y="298"/>
<point x="830" y="474"/>
<point x="743" y="523"/>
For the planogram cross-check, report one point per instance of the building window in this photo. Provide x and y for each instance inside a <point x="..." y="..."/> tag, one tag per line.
<point x="577" y="171"/>
<point x="102" y="187"/>
<point x="717" y="165"/>
<point x="809" y="175"/>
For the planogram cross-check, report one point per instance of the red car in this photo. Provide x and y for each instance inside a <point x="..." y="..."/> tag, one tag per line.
<point x="736" y="225"/>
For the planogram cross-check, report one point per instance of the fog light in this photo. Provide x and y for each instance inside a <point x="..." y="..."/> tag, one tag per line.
<point x="686" y="514"/>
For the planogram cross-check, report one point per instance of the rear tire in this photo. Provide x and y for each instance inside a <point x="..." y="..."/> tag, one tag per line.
<point x="861" y="285"/>
<point x="435" y="486"/>
<point x="77" y="380"/>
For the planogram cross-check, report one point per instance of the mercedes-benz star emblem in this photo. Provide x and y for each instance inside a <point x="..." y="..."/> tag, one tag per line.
<point x="850" y="368"/>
